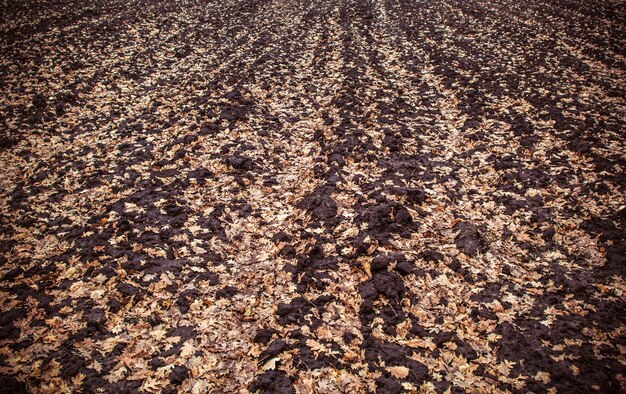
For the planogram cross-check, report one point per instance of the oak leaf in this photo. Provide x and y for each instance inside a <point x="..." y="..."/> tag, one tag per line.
<point x="398" y="372"/>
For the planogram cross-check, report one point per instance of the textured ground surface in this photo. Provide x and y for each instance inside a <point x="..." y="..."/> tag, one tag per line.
<point x="312" y="196"/>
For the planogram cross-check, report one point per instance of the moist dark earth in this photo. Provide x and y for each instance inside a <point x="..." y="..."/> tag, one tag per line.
<point x="313" y="196"/>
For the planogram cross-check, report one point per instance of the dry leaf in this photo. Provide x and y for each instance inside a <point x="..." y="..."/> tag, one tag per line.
<point x="398" y="372"/>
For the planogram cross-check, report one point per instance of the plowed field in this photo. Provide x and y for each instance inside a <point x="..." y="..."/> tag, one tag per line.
<point x="313" y="196"/>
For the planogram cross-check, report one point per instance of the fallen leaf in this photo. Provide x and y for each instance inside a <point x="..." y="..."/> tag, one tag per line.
<point x="398" y="372"/>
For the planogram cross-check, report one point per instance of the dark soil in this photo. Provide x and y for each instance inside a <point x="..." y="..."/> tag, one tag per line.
<point x="312" y="196"/>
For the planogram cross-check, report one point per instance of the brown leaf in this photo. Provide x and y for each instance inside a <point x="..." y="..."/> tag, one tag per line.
<point x="398" y="372"/>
